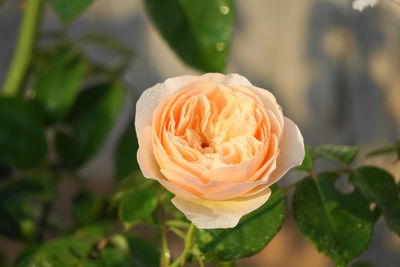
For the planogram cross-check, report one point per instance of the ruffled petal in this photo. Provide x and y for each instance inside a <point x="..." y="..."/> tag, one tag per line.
<point x="291" y="151"/>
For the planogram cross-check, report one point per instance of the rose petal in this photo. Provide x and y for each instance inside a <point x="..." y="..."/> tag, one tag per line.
<point x="148" y="102"/>
<point x="269" y="101"/>
<point x="209" y="214"/>
<point x="291" y="152"/>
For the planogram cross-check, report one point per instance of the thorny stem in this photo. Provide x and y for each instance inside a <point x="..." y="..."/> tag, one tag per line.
<point x="25" y="46"/>
<point x="188" y="246"/>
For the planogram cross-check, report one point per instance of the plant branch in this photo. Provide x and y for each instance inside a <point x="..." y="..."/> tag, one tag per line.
<point x="41" y="230"/>
<point x="165" y="256"/>
<point x="25" y="46"/>
<point x="177" y="223"/>
<point x="188" y="245"/>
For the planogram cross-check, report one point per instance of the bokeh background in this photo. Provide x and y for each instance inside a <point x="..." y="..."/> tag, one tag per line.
<point x="335" y="71"/>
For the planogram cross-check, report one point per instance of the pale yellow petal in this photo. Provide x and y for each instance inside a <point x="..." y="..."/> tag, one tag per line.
<point x="210" y="214"/>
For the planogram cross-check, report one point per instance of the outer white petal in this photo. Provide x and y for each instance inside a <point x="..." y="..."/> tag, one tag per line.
<point x="291" y="152"/>
<point x="361" y="4"/>
<point x="211" y="214"/>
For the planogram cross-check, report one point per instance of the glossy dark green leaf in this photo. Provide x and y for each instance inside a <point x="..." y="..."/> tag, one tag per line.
<point x="22" y="139"/>
<point x="91" y="120"/>
<point x="25" y="256"/>
<point x="143" y="254"/>
<point x="137" y="205"/>
<point x="379" y="187"/>
<point x="338" y="225"/>
<point x="69" y="9"/>
<point x="58" y="81"/>
<point x="17" y="220"/>
<point x="112" y="257"/>
<point x="198" y="31"/>
<point x="37" y="187"/>
<point x="86" y="207"/>
<point x="125" y="156"/>
<point x="250" y="236"/>
<point x="170" y="208"/>
<point x="16" y="217"/>
<point x="61" y="252"/>
<point x="129" y="184"/>
<point x="340" y="154"/>
<point x="308" y="161"/>
<point x="93" y="233"/>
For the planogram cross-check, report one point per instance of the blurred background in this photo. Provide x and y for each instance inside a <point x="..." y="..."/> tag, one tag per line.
<point x="334" y="70"/>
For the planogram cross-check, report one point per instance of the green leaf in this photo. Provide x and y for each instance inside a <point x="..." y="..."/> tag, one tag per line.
<point x="226" y="264"/>
<point x="93" y="233"/>
<point x="86" y="207"/>
<point x="38" y="187"/>
<point x="58" y="81"/>
<point x="16" y="217"/>
<point x="129" y="184"/>
<point x="308" y="161"/>
<point x="142" y="252"/>
<point x="379" y="187"/>
<point x="61" y="252"/>
<point x="17" y="220"/>
<point x="106" y="42"/>
<point x="91" y="120"/>
<point x="338" y="225"/>
<point x="69" y="9"/>
<point x="250" y="236"/>
<point x="125" y="156"/>
<point x="393" y="148"/>
<point x="113" y="257"/>
<point x="139" y="204"/>
<point x="22" y="140"/>
<point x="198" y="31"/>
<point x="340" y="154"/>
<point x="25" y="256"/>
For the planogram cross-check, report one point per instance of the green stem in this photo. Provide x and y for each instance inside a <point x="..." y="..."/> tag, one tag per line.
<point x="24" y="49"/>
<point x="177" y="223"/>
<point x="165" y="253"/>
<point x="188" y="245"/>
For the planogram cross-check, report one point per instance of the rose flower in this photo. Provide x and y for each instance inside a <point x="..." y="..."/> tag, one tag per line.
<point x="217" y="142"/>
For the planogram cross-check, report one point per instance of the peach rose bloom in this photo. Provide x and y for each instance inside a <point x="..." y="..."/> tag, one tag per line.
<point x="217" y="142"/>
